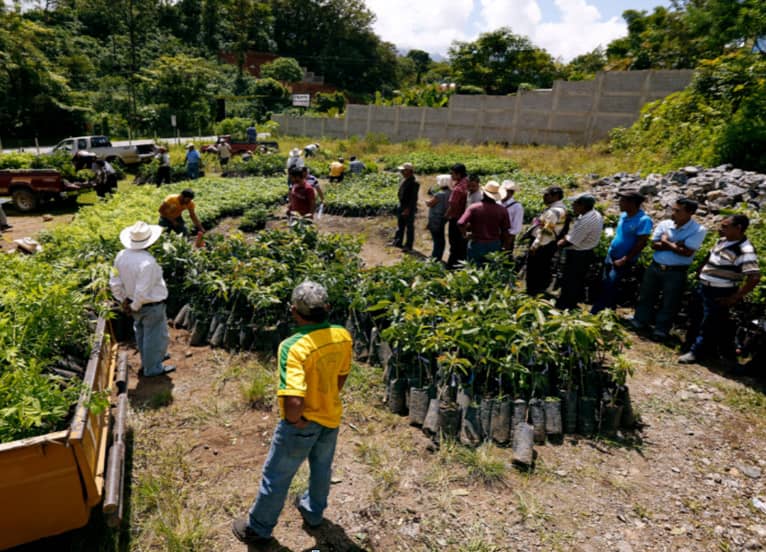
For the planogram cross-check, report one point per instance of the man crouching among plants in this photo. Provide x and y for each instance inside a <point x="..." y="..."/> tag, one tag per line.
<point x="313" y="365"/>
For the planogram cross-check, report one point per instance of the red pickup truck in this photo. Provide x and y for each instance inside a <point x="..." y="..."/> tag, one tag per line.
<point x="30" y="187"/>
<point x="238" y="148"/>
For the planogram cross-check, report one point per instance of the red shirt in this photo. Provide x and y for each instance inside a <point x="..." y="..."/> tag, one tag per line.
<point x="301" y="197"/>
<point x="488" y="221"/>
<point x="458" y="198"/>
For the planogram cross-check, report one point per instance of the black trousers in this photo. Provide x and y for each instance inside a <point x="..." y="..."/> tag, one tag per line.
<point x="163" y="175"/>
<point x="540" y="269"/>
<point x="405" y="230"/>
<point x="457" y="244"/>
<point x="576" y="264"/>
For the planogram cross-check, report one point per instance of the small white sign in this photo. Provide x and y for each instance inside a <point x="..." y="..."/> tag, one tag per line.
<point x="301" y="100"/>
<point x="173" y="120"/>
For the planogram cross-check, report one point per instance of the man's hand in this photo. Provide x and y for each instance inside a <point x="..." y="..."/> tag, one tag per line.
<point x="728" y="301"/>
<point x="405" y="212"/>
<point x="622" y="261"/>
<point x="301" y="423"/>
<point x="126" y="307"/>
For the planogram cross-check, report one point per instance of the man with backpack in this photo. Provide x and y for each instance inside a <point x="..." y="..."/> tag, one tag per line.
<point x="515" y="211"/>
<point x="550" y="227"/>
<point x="729" y="273"/>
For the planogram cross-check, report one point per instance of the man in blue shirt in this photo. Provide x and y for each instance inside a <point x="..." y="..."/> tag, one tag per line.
<point x="252" y="134"/>
<point x="633" y="231"/>
<point x="674" y="241"/>
<point x="192" y="162"/>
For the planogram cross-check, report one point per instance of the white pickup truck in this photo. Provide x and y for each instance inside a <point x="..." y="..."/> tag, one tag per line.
<point x="139" y="152"/>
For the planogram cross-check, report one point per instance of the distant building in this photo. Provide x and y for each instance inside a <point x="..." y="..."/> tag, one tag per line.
<point x="310" y="84"/>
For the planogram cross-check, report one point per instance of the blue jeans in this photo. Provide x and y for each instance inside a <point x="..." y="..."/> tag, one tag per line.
<point x="151" y="327"/>
<point x="710" y="326"/>
<point x="290" y="446"/>
<point x="179" y="229"/>
<point x="610" y="283"/>
<point x="437" y="235"/>
<point x="478" y="251"/>
<point x="667" y="283"/>
<point x="192" y="169"/>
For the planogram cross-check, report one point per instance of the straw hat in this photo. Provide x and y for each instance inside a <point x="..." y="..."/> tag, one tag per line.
<point x="140" y="235"/>
<point x="405" y="166"/>
<point x="493" y="190"/>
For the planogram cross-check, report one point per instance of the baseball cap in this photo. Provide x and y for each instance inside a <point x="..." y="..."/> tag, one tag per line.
<point x="555" y="190"/>
<point x="308" y="297"/>
<point x="633" y="195"/>
<point x="405" y="166"/>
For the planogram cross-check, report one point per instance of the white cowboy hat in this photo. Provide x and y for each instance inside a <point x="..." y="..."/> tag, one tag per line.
<point x="295" y="152"/>
<point x="444" y="181"/>
<point x="140" y="235"/>
<point x="493" y="190"/>
<point x="509" y="186"/>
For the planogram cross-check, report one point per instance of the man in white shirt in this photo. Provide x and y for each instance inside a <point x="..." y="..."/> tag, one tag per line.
<point x="579" y="244"/>
<point x="546" y="231"/>
<point x="515" y="210"/>
<point x="138" y="285"/>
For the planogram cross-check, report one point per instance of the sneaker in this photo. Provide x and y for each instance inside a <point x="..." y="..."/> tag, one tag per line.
<point x="687" y="358"/>
<point x="165" y="370"/>
<point x="659" y="337"/>
<point x="303" y="513"/>
<point x="246" y="535"/>
<point x="5" y="226"/>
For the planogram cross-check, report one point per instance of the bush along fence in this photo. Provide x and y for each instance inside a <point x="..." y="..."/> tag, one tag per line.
<point x="467" y="357"/>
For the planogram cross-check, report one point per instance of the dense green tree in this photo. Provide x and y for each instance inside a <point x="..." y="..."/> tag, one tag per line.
<point x="585" y="66"/>
<point x="284" y="69"/>
<point x="334" y="38"/>
<point x="422" y="61"/>
<point x="499" y="61"/>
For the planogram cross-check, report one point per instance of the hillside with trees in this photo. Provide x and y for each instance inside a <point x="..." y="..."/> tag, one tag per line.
<point x="124" y="67"/>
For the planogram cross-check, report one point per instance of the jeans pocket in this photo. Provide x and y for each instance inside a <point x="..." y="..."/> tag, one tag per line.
<point x="299" y="441"/>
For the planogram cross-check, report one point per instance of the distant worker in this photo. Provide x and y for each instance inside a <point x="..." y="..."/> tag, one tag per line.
<point x="311" y="150"/>
<point x="550" y="228"/>
<point x="729" y="273"/>
<point x="172" y="209"/>
<point x="337" y="170"/>
<point x="578" y="245"/>
<point x="408" y="206"/>
<point x="457" y="204"/>
<point x="630" y="239"/>
<point x="302" y="195"/>
<point x="252" y="133"/>
<point x="356" y="166"/>
<point x="675" y="241"/>
<point x="193" y="161"/>
<point x="515" y="211"/>
<point x="138" y="285"/>
<point x="106" y="178"/>
<point x="163" y="171"/>
<point x="294" y="159"/>
<point x="4" y="220"/>
<point x="475" y="195"/>
<point x="437" y="208"/>
<point x="224" y="153"/>
<point x="486" y="224"/>
<point x="313" y="181"/>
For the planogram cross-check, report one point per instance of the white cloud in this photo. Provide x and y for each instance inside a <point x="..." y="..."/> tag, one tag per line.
<point x="433" y="25"/>
<point x="429" y="26"/>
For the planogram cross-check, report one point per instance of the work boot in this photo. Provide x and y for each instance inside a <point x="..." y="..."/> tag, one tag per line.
<point x="241" y="529"/>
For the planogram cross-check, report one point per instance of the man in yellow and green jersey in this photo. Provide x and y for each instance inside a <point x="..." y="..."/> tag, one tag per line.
<point x="313" y="365"/>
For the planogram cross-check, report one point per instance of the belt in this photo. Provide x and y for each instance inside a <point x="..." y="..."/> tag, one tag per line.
<point x="714" y="286"/>
<point x="152" y="304"/>
<point x="666" y="268"/>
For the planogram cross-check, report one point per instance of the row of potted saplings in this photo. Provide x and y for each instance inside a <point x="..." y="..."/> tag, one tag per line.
<point x="448" y="408"/>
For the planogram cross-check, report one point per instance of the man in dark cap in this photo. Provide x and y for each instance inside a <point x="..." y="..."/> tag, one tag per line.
<point x="630" y="238"/>
<point x="578" y="245"/>
<point x="549" y="228"/>
<point x="313" y="365"/>
<point x="675" y="241"/>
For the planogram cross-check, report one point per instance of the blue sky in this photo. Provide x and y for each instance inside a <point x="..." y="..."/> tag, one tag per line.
<point x="566" y="28"/>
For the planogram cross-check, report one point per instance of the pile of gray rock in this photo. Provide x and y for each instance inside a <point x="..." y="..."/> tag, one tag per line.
<point x="717" y="189"/>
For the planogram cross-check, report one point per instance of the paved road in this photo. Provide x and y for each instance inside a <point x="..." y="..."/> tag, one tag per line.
<point x="173" y="140"/>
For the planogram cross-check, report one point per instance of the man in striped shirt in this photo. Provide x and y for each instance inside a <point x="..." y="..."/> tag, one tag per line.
<point x="313" y="366"/>
<point x="578" y="246"/>
<point x="728" y="274"/>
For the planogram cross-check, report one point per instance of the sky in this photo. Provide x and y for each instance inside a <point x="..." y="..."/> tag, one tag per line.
<point x="565" y="28"/>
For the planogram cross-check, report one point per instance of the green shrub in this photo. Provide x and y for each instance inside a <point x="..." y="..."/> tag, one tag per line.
<point x="429" y="163"/>
<point x="719" y="118"/>
<point x="235" y="126"/>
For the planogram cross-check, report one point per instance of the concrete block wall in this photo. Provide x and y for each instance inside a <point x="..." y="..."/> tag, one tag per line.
<point x="578" y="113"/>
